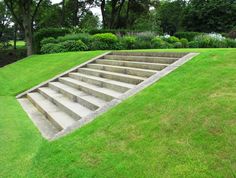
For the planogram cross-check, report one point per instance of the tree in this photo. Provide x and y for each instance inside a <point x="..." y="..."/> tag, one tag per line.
<point x="89" y="21"/>
<point x="5" y="20"/>
<point x="210" y="15"/>
<point x="171" y="14"/>
<point x="24" y="13"/>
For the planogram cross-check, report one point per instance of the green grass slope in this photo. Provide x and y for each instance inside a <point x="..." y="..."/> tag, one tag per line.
<point x="182" y="126"/>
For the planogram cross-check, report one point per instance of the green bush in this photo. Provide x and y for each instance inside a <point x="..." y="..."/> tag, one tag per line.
<point x="47" y="32"/>
<point x="193" y="44"/>
<point x="48" y="40"/>
<point x="231" y="43"/>
<point x="105" y="37"/>
<point x="129" y="42"/>
<point x="72" y="45"/>
<point x="145" y="36"/>
<point x="171" y="39"/>
<point x="178" y="45"/>
<point x="184" y="42"/>
<point x="105" y="41"/>
<point x="207" y="41"/>
<point x="188" y="35"/>
<point x="84" y="37"/>
<point x="52" y="48"/>
<point x="157" y="42"/>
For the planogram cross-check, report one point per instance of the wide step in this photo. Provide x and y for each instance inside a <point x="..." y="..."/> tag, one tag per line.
<point x="165" y="60"/>
<point x="112" y="75"/>
<point x="81" y="97"/>
<point x="53" y="113"/>
<point x="103" y="82"/>
<point x="141" y="65"/>
<point x="124" y="70"/>
<point x="103" y="93"/>
<point x="72" y="108"/>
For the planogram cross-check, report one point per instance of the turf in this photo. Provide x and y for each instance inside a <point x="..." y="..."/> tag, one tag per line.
<point x="182" y="126"/>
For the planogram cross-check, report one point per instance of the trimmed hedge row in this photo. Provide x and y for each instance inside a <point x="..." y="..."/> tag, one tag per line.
<point x="109" y="41"/>
<point x="47" y="32"/>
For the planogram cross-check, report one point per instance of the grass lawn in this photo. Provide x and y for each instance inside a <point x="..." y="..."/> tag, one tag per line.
<point x="19" y="44"/>
<point x="182" y="126"/>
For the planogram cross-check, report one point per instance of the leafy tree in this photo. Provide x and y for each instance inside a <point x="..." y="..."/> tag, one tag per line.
<point x="24" y="13"/>
<point x="210" y="15"/>
<point x="171" y="15"/>
<point x="89" y="21"/>
<point x="5" y="20"/>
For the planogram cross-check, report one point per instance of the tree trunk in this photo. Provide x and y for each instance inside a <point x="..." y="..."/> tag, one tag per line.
<point x="63" y="13"/>
<point x="103" y="13"/>
<point x="15" y="33"/>
<point x="27" y="24"/>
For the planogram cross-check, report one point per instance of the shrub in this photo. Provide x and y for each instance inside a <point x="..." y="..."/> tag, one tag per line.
<point x="72" y="45"/>
<point x="193" y="44"/>
<point x="105" y="37"/>
<point x="129" y="42"/>
<point x="231" y="43"/>
<point x="84" y="37"/>
<point x="157" y="42"/>
<point x="105" y="41"/>
<point x="52" y="48"/>
<point x="48" y="40"/>
<point x="177" y="45"/>
<point x="184" y="42"/>
<point x="188" y="35"/>
<point x="210" y="41"/>
<point x="171" y="39"/>
<point x="145" y="36"/>
<point x="47" y="32"/>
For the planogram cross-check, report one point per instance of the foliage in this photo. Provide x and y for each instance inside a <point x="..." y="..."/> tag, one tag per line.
<point x="188" y="35"/>
<point x="209" y="41"/>
<point x="210" y="16"/>
<point x="171" y="15"/>
<point x="105" y="41"/>
<point x="171" y="39"/>
<point x="105" y="37"/>
<point x="48" y="40"/>
<point x="72" y="45"/>
<point x="84" y="37"/>
<point x="159" y="43"/>
<point x="47" y="32"/>
<point x="184" y="42"/>
<point x="65" y="46"/>
<point x="231" y="43"/>
<point x="52" y="48"/>
<point x="129" y="42"/>
<point x="232" y="33"/>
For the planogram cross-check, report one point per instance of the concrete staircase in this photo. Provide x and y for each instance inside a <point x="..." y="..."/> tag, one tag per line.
<point x="77" y="96"/>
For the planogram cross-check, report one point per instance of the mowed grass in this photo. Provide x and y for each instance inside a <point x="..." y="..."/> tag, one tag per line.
<point x="19" y="44"/>
<point x="182" y="126"/>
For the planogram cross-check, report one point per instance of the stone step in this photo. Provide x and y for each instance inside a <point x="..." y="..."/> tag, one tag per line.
<point x="102" y="93"/>
<point x="73" y="109"/>
<point x="141" y="65"/>
<point x="103" y="82"/>
<point x="81" y="97"/>
<point x="112" y="75"/>
<point x="46" y="127"/>
<point x="154" y="54"/>
<point x="58" y="118"/>
<point x="123" y="70"/>
<point x="150" y="59"/>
